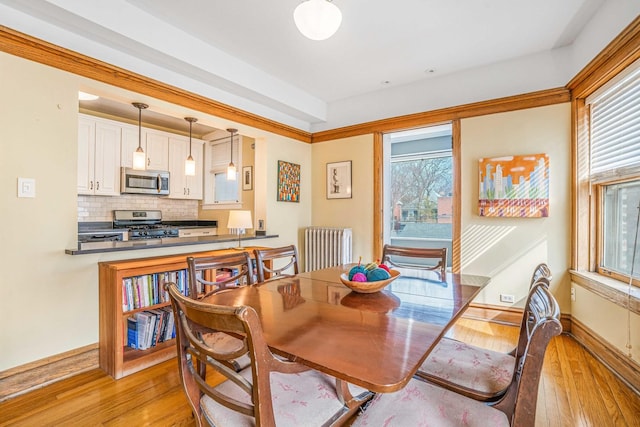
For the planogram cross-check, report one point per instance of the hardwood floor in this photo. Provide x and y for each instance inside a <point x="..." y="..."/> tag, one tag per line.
<point x="575" y="390"/>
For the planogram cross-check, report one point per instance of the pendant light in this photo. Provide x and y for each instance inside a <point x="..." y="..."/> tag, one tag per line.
<point x="231" y="169"/>
<point x="190" y="164"/>
<point x="139" y="160"/>
<point x="317" y="19"/>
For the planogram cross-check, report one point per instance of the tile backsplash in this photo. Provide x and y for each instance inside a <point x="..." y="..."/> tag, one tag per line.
<point x="100" y="208"/>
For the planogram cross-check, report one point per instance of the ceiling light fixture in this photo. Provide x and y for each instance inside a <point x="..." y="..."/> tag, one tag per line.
<point x="317" y="19"/>
<point x="190" y="164"/>
<point x="231" y="169"/>
<point x="139" y="161"/>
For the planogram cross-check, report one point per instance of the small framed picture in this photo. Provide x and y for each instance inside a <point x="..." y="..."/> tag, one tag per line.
<point x="247" y="178"/>
<point x="339" y="180"/>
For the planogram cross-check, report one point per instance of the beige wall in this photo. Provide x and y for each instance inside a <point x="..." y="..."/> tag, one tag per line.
<point x="508" y="249"/>
<point x="357" y="212"/>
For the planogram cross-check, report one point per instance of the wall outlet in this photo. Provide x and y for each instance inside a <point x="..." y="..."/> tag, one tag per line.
<point x="573" y="294"/>
<point x="507" y="298"/>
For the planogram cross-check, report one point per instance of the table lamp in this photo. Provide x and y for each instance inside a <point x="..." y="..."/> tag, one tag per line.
<point x="239" y="220"/>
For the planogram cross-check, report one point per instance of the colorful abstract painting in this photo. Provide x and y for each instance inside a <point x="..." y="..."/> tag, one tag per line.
<point x="514" y="186"/>
<point x="288" y="182"/>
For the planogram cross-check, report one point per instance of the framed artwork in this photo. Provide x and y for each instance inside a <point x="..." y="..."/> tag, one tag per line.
<point x="247" y="178"/>
<point x="339" y="180"/>
<point x="514" y="186"/>
<point x="288" y="182"/>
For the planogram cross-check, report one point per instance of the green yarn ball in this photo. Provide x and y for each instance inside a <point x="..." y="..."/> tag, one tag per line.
<point x="377" y="274"/>
<point x="354" y="270"/>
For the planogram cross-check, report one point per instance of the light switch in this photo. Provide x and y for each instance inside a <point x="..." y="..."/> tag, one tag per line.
<point x="26" y="187"/>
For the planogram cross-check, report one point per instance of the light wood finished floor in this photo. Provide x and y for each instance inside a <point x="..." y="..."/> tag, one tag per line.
<point x="575" y="390"/>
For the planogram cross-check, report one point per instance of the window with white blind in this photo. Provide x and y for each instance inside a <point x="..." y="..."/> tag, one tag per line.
<point x="614" y="137"/>
<point x="219" y="191"/>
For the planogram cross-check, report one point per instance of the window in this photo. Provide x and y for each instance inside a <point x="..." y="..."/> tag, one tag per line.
<point x="614" y="173"/>
<point x="220" y="192"/>
<point x="418" y="194"/>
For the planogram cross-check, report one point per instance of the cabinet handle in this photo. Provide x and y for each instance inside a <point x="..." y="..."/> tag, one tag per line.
<point x="188" y="191"/>
<point x="97" y="185"/>
<point x="90" y="185"/>
<point x="148" y="161"/>
<point x="184" y="191"/>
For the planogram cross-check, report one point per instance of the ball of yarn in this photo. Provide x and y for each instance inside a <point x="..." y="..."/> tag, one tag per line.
<point x="354" y="270"/>
<point x="359" y="277"/>
<point x="377" y="274"/>
<point x="384" y="267"/>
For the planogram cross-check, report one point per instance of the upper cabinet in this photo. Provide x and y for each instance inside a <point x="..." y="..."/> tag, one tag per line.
<point x="181" y="185"/>
<point x="98" y="156"/>
<point x="154" y="143"/>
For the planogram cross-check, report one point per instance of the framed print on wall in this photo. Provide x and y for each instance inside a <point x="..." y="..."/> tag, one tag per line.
<point x="247" y="178"/>
<point x="339" y="180"/>
<point x="288" y="182"/>
<point x="514" y="186"/>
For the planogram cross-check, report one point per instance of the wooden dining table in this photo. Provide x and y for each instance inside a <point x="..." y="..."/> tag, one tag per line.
<point x="377" y="341"/>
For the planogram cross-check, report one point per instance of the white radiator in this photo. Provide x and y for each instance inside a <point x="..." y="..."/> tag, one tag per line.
<point x="326" y="247"/>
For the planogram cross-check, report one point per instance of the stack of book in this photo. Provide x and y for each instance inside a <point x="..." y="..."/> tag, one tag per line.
<point x="148" y="328"/>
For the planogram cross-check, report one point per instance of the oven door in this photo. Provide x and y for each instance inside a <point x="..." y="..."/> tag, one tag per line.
<point x="144" y="182"/>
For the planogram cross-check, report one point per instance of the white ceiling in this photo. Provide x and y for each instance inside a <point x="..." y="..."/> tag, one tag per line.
<point x="387" y="58"/>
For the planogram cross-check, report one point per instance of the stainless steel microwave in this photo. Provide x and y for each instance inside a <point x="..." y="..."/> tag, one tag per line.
<point x="135" y="181"/>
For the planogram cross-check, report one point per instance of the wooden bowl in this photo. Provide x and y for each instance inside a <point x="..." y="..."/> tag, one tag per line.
<point x="368" y="287"/>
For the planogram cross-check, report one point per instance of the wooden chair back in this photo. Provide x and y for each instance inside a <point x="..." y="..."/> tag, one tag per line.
<point x="400" y="256"/>
<point x="202" y="271"/>
<point x="541" y="270"/>
<point x="264" y="271"/>
<point x="542" y="322"/>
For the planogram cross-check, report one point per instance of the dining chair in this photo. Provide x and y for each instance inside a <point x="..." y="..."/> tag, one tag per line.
<point x="205" y="279"/>
<point x="289" y="253"/>
<point x="422" y="403"/>
<point x="204" y="273"/>
<point x="270" y="392"/>
<point x="476" y="372"/>
<point x="405" y="257"/>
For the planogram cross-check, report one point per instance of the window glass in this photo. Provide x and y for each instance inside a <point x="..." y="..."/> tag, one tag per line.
<point x="620" y="221"/>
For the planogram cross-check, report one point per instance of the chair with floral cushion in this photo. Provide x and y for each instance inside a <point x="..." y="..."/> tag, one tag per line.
<point x="476" y="372"/>
<point x="215" y="273"/>
<point x="405" y="257"/>
<point x="269" y="392"/>
<point x="289" y="253"/>
<point x="423" y="403"/>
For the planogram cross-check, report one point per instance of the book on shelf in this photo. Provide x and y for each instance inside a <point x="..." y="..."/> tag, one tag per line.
<point x="132" y="333"/>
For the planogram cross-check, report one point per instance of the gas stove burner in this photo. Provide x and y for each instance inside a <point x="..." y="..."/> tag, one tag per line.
<point x="144" y="224"/>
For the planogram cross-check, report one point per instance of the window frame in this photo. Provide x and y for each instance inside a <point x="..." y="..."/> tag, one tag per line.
<point x="599" y="189"/>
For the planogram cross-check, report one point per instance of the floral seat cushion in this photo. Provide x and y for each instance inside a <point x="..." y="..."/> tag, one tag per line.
<point x="474" y="368"/>
<point x="305" y="399"/>
<point x="423" y="404"/>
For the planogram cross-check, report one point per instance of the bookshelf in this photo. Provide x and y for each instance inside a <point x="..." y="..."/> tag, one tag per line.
<point x="116" y="358"/>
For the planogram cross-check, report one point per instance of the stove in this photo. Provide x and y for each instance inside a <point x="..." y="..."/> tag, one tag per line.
<point x="143" y="224"/>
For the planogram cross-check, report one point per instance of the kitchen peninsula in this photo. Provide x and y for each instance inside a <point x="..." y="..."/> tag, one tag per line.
<point x="115" y="246"/>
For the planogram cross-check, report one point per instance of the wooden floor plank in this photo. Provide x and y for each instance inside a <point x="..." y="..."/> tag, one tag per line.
<point x="575" y="390"/>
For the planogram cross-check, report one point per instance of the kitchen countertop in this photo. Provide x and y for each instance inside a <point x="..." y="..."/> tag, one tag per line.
<point x="129" y="245"/>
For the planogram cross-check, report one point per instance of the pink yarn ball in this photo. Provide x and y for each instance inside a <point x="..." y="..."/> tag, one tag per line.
<point x="359" y="277"/>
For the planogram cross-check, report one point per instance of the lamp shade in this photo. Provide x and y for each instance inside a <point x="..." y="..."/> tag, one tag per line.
<point x="317" y="19"/>
<point x="240" y="219"/>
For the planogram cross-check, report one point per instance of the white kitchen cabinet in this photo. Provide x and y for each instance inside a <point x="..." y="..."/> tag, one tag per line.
<point x="182" y="186"/>
<point x="157" y="150"/>
<point x="98" y="157"/>
<point x="154" y="143"/>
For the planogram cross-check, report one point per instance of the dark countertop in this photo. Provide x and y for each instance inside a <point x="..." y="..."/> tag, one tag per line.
<point x="106" y="226"/>
<point x="129" y="245"/>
